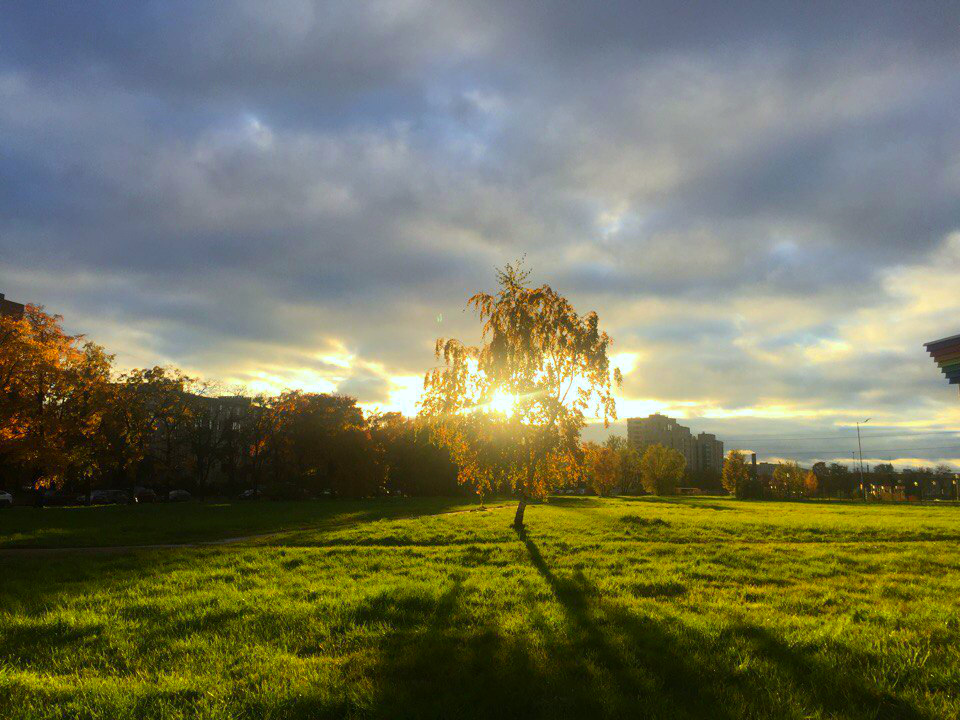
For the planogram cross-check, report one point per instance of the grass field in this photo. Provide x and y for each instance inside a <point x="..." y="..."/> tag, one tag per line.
<point x="679" y="608"/>
<point x="166" y="523"/>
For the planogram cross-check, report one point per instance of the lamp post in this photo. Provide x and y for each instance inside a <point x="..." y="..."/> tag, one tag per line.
<point x="863" y="487"/>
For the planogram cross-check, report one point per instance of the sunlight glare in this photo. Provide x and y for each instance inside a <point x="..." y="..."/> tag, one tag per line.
<point x="502" y="402"/>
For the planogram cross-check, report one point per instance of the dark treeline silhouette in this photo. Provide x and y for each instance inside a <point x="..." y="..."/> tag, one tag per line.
<point x="884" y="482"/>
<point x="837" y="481"/>
<point x="69" y="422"/>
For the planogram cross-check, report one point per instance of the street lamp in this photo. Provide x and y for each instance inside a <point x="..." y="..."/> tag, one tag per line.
<point x="860" y="448"/>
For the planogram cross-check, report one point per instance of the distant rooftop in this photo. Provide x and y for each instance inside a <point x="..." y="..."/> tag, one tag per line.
<point x="8" y="308"/>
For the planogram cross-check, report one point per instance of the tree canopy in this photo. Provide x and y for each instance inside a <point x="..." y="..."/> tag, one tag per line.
<point x="602" y="468"/>
<point x="628" y="463"/>
<point x="70" y="423"/>
<point x="788" y="480"/>
<point x="735" y="474"/>
<point x="661" y="469"/>
<point x="511" y="408"/>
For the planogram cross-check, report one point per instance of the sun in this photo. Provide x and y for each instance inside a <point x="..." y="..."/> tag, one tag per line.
<point x="502" y="402"/>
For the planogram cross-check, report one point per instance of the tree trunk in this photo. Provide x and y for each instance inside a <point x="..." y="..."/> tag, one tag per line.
<point x="518" y="518"/>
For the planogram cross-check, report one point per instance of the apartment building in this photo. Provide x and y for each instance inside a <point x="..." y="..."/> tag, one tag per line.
<point x="702" y="452"/>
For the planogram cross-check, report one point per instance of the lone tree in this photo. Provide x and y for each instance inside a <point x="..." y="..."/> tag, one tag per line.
<point x="788" y="479"/>
<point x="735" y="474"/>
<point x="602" y="468"/>
<point x="661" y="469"/>
<point x="628" y="463"/>
<point x="511" y="409"/>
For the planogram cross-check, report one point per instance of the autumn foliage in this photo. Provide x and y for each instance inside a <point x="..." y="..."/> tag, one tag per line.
<point x="661" y="469"/>
<point x="735" y="476"/>
<point x="53" y="392"/>
<point x="548" y="363"/>
<point x="602" y="468"/>
<point x="70" y="421"/>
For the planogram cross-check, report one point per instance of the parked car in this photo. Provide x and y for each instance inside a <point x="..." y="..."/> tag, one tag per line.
<point x="58" y="497"/>
<point x="178" y="496"/>
<point x="6" y="499"/>
<point x="251" y="494"/>
<point x="109" y="497"/>
<point x="144" y="495"/>
<point x="283" y="491"/>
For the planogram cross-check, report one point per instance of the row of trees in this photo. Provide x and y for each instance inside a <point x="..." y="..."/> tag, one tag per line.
<point x="836" y="480"/>
<point x="68" y="420"/>
<point x="617" y="465"/>
<point x="502" y="416"/>
<point x="788" y="480"/>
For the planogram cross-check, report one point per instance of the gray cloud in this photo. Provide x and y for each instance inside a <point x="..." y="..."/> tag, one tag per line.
<point x="740" y="191"/>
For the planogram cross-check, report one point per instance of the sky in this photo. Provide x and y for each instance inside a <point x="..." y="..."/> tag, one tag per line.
<point x="761" y="200"/>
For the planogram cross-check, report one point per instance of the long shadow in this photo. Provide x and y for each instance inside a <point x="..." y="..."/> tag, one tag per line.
<point x="440" y="659"/>
<point x="33" y="584"/>
<point x="633" y="649"/>
<point x="434" y="662"/>
<point x="443" y="658"/>
<point x="442" y="653"/>
<point x="308" y="536"/>
<point x="646" y="668"/>
<point x="834" y="692"/>
<point x="33" y="590"/>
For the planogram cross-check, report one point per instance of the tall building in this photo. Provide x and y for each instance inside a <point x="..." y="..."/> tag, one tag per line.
<point x="703" y="452"/>
<point x="8" y="308"/>
<point x="710" y="452"/>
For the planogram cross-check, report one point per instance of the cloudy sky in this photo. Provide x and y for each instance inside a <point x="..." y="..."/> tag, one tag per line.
<point x="761" y="200"/>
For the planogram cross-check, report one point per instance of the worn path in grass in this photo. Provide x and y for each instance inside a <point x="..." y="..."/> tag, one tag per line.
<point x="687" y="608"/>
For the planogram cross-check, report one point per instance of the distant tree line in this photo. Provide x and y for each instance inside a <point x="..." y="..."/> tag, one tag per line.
<point x="69" y="421"/>
<point x="836" y="480"/>
<point x="618" y="467"/>
<point x="883" y="481"/>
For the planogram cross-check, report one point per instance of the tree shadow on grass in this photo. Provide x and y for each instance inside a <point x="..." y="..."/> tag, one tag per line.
<point x="141" y="525"/>
<point x="314" y="534"/>
<point x="439" y="653"/>
<point x="826" y="686"/>
<point x="36" y="644"/>
<point x="643" y="669"/>
<point x="600" y="659"/>
<point x="442" y="661"/>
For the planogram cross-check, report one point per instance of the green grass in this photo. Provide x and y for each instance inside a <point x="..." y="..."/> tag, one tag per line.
<point x="114" y="525"/>
<point x="685" y="608"/>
